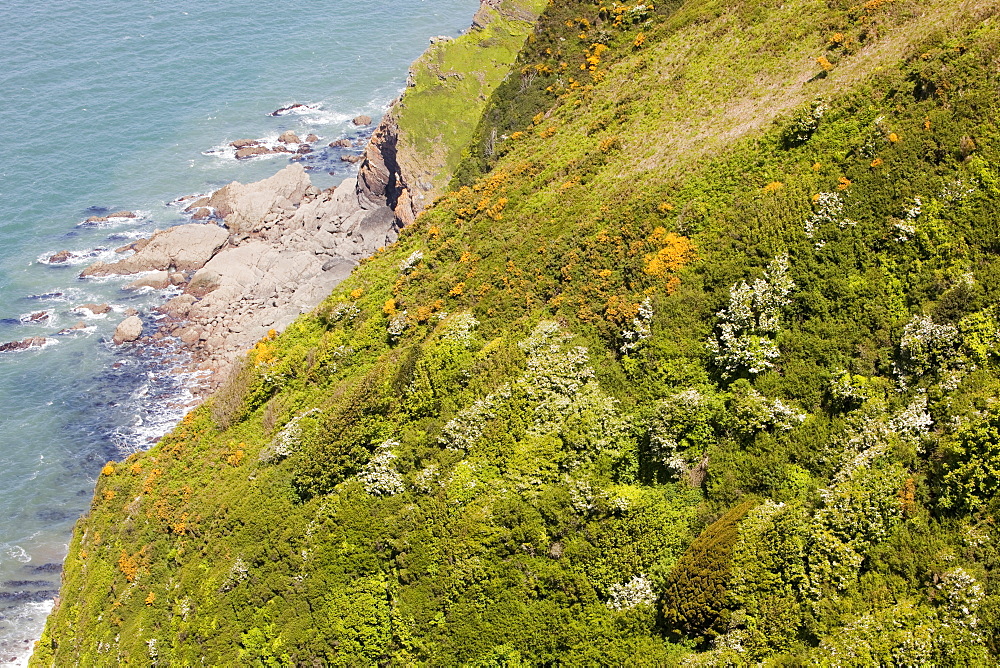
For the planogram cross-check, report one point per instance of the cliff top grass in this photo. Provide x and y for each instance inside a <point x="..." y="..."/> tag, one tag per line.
<point x="448" y="88"/>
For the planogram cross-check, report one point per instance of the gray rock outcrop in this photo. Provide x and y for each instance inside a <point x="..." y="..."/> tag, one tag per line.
<point x="246" y="207"/>
<point x="184" y="247"/>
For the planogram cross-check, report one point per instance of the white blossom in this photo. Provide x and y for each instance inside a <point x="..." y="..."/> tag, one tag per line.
<point x="378" y="476"/>
<point x="752" y="316"/>
<point x="637" y="591"/>
<point x="407" y="265"/>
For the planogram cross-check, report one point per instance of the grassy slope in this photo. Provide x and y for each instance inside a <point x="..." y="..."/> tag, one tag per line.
<point x="451" y="83"/>
<point x="863" y="537"/>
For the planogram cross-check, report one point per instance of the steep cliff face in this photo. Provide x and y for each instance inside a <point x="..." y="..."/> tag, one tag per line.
<point x="697" y="367"/>
<point x="419" y="143"/>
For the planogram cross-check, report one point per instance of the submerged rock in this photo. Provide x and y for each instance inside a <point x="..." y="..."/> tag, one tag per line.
<point x="291" y="108"/>
<point x="251" y="151"/>
<point x="243" y="143"/>
<point x="363" y="119"/>
<point x="23" y="344"/>
<point x="96" y="309"/>
<point x="75" y="328"/>
<point x="61" y="256"/>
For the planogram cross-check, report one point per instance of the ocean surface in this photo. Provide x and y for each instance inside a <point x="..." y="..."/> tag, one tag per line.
<point x="114" y="106"/>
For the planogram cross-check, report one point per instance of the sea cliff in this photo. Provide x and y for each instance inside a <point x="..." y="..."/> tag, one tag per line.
<point x="693" y="362"/>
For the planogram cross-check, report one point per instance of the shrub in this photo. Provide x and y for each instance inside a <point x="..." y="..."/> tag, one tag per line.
<point x="696" y="594"/>
<point x="752" y="316"/>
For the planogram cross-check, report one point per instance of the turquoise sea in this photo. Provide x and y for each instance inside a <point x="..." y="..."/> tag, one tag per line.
<point x="111" y="106"/>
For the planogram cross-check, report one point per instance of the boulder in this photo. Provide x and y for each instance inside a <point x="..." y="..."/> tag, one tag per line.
<point x="245" y="206"/>
<point x="123" y="214"/>
<point x="183" y="247"/>
<point x="95" y="309"/>
<point x="154" y="279"/>
<point x="289" y="137"/>
<point x="190" y="335"/>
<point x="243" y="143"/>
<point x="61" y="256"/>
<point x="203" y="213"/>
<point x="353" y="159"/>
<point x="363" y="119"/>
<point x="96" y="219"/>
<point x="203" y="282"/>
<point x="310" y="138"/>
<point x="179" y="305"/>
<point x="40" y="316"/>
<point x="340" y="143"/>
<point x="136" y="246"/>
<point x="303" y="149"/>
<point x="128" y="330"/>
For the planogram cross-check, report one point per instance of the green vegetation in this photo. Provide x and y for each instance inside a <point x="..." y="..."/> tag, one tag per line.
<point x="695" y="364"/>
<point x="448" y="88"/>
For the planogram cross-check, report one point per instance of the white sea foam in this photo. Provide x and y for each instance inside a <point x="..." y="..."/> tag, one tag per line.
<point x="14" y="552"/>
<point x="47" y="319"/>
<point x="77" y="257"/>
<point x="300" y="109"/>
<point x="29" y="618"/>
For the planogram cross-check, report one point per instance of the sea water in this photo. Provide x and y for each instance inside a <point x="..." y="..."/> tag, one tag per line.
<point x="110" y="106"/>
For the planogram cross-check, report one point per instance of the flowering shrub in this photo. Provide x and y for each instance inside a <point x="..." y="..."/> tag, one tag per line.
<point x="636" y="336"/>
<point x="970" y="472"/>
<point x="378" y="476"/>
<point x="287" y="441"/>
<point x="752" y="316"/>
<point x="560" y="395"/>
<point x="460" y="328"/>
<point x="827" y="208"/>
<point x="805" y="123"/>
<point x="407" y="265"/>
<point x="751" y="412"/>
<point x="675" y="252"/>
<point x="397" y="326"/>
<point x="926" y="347"/>
<point x="637" y="591"/>
<point x="681" y="428"/>
<point x="238" y="572"/>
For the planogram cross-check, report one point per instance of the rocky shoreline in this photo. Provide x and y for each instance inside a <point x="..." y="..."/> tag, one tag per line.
<point x="254" y="258"/>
